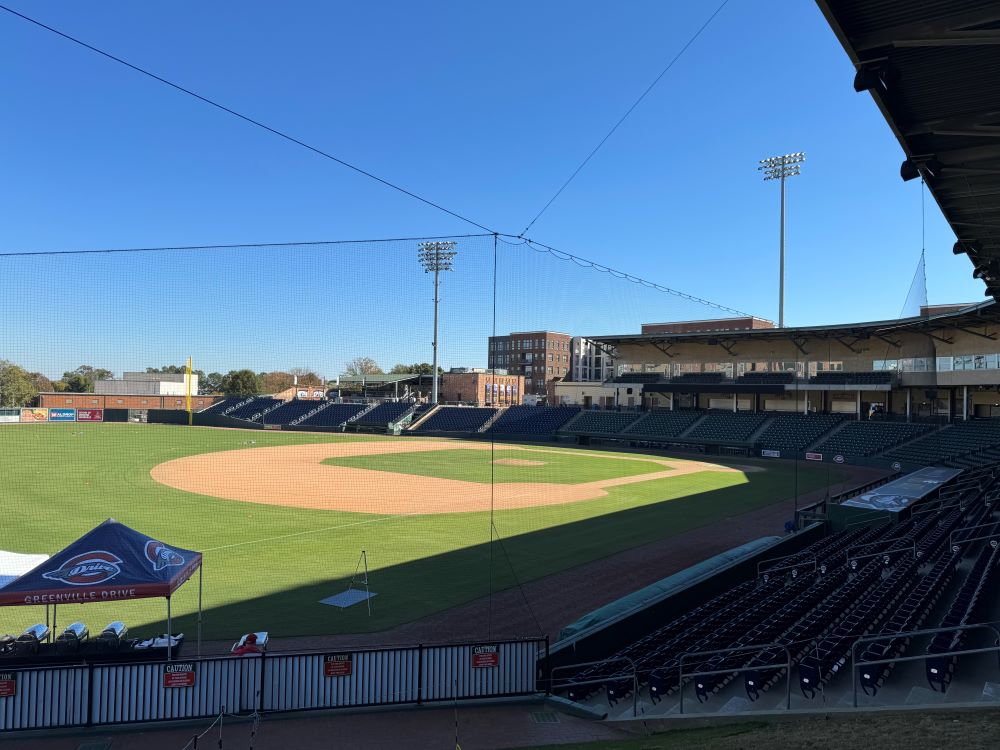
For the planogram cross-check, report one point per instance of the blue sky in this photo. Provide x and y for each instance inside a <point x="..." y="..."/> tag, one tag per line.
<point x="482" y="107"/>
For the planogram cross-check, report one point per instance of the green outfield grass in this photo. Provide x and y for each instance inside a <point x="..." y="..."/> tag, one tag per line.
<point x="266" y="566"/>
<point x="468" y="465"/>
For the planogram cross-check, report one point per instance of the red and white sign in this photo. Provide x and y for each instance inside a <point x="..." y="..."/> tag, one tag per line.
<point x="486" y="656"/>
<point x="90" y="415"/>
<point x="337" y="665"/>
<point x="814" y="457"/>
<point x="179" y="675"/>
<point x="8" y="684"/>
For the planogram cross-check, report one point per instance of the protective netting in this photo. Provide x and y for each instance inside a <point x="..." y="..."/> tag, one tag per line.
<point x="293" y="496"/>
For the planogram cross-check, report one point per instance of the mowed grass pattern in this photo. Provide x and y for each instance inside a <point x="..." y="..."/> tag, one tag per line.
<point x="483" y="466"/>
<point x="266" y="567"/>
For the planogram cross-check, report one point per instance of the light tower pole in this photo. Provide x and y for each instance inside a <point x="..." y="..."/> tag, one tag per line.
<point x="436" y="257"/>
<point x="778" y="168"/>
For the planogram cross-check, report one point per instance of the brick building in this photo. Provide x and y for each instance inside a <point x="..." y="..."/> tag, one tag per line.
<point x="707" y="326"/>
<point x="481" y="388"/>
<point x="540" y="356"/>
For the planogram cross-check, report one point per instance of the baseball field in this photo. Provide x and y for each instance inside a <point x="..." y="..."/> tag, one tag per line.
<point x="282" y="517"/>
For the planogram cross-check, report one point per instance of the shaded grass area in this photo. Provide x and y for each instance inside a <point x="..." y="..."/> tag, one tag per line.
<point x="266" y="567"/>
<point x="968" y="730"/>
<point x="470" y="465"/>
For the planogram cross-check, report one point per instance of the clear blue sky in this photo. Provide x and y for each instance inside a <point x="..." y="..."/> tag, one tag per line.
<point x="483" y="107"/>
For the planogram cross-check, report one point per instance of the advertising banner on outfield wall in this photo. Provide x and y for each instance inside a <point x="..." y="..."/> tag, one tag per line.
<point x="770" y="454"/>
<point x="90" y="415"/>
<point x="814" y="457"/>
<point x="34" y="415"/>
<point x="10" y="415"/>
<point x="62" y="415"/>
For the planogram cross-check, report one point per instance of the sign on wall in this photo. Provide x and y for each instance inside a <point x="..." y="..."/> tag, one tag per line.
<point x="90" y="415"/>
<point x="34" y="415"/>
<point x="485" y="656"/>
<point x="8" y="684"/>
<point x="337" y="665"/>
<point x="62" y="415"/>
<point x="766" y="453"/>
<point x="179" y="675"/>
<point x="814" y="457"/>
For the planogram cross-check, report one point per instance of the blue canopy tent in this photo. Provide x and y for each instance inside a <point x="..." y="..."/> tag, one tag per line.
<point x="109" y="563"/>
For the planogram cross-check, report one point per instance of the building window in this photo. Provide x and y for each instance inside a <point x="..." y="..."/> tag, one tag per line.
<point x="119" y="401"/>
<point x="69" y="401"/>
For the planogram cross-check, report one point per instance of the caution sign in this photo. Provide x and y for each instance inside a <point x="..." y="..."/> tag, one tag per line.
<point x="8" y="684"/>
<point x="179" y="675"/>
<point x="337" y="665"/>
<point x="485" y="656"/>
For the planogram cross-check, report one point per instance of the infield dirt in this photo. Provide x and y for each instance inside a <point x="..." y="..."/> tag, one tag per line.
<point x="295" y="476"/>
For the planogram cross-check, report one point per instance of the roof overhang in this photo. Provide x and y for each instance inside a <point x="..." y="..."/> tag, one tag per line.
<point x="976" y="316"/>
<point x="933" y="69"/>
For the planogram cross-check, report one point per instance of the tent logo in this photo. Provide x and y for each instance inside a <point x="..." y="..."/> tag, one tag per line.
<point x="161" y="556"/>
<point x="87" y="569"/>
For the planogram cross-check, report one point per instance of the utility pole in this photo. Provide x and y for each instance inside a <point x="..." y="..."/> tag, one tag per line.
<point x="436" y="257"/>
<point x="778" y="168"/>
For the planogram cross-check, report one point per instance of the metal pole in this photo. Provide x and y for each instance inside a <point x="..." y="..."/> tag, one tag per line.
<point x="169" y="639"/>
<point x="781" y="270"/>
<point x="200" y="569"/>
<point x="434" y="386"/>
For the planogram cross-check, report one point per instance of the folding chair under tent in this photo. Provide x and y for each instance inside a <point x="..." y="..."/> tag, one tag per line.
<point x="111" y="563"/>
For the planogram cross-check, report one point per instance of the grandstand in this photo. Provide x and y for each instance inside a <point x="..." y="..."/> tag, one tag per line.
<point x="869" y="438"/>
<point x="456" y="419"/>
<point x="531" y="420"/>
<point x="928" y="570"/>
<point x="796" y="432"/>
<point x="726" y="426"/>
<point x="600" y="422"/>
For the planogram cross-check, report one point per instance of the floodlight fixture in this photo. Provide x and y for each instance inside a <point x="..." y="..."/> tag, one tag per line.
<point x="780" y="168"/>
<point x="436" y="257"/>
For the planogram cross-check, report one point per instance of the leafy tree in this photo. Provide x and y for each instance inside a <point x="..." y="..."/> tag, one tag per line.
<point x="420" y="368"/>
<point x="305" y="377"/>
<point x="82" y="379"/>
<point x="240" y="383"/>
<point x="273" y="382"/>
<point x="211" y="383"/>
<point x="362" y="366"/>
<point x="16" y="386"/>
<point x="42" y="384"/>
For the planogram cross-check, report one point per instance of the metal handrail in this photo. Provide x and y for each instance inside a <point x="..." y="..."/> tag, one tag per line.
<point x="911" y="547"/>
<point x="921" y="657"/>
<point x="992" y="524"/>
<point x="790" y="566"/>
<point x="596" y="681"/>
<point x="732" y="650"/>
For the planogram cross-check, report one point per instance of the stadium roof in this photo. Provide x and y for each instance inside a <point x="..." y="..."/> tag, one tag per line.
<point x="933" y="68"/>
<point x="974" y="316"/>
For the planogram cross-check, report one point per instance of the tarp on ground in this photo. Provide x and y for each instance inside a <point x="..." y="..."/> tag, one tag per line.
<point x="13" y="565"/>
<point x="110" y="563"/>
<point x="665" y="587"/>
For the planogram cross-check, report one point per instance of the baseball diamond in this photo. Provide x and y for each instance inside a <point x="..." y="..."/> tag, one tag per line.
<point x="282" y="517"/>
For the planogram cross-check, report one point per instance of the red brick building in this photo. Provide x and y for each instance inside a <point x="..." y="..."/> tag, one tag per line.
<point x="708" y="326"/>
<point x="540" y="356"/>
<point x="481" y="388"/>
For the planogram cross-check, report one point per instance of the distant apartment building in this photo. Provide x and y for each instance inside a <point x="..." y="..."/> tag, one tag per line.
<point x="539" y="356"/>
<point x="589" y="361"/>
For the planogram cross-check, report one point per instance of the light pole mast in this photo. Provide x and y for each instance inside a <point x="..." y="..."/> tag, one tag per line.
<point x="436" y="257"/>
<point x="778" y="168"/>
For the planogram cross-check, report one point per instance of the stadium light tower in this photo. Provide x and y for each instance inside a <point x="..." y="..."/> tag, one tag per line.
<point x="778" y="168"/>
<point x="436" y="257"/>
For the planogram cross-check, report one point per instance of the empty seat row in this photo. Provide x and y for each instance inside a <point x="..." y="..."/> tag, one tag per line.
<point x="737" y="426"/>
<point x="869" y="438"/>
<point x="457" y="419"/>
<point x="601" y="422"/>
<point x="532" y="420"/>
